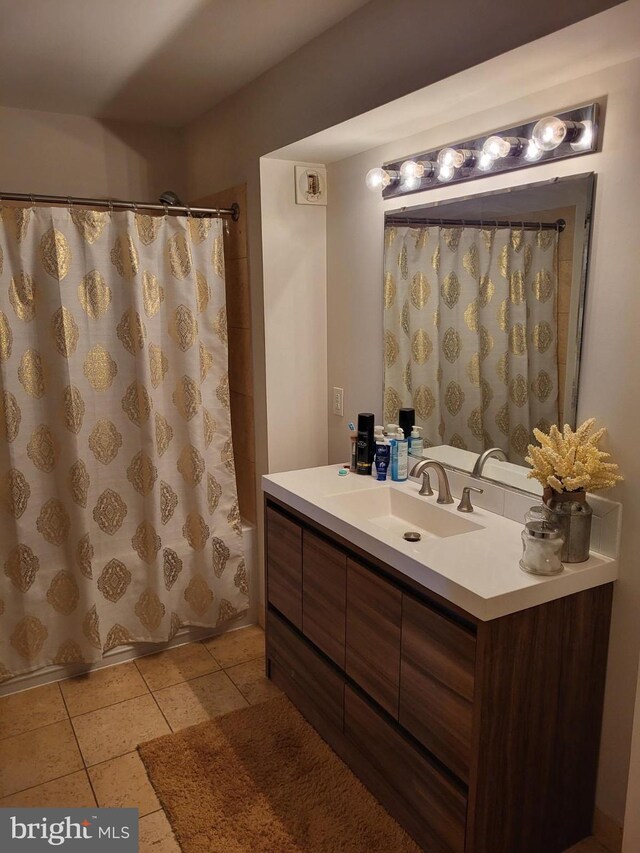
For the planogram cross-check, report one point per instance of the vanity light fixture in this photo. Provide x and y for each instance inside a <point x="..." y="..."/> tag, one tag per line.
<point x="553" y="137"/>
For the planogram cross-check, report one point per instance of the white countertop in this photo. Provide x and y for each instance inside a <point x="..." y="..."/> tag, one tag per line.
<point x="476" y="570"/>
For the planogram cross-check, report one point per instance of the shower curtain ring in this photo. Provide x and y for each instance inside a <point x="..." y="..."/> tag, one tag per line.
<point x="110" y="204"/>
<point x="166" y="210"/>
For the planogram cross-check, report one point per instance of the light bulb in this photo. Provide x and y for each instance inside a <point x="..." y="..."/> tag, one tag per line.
<point x="445" y="172"/>
<point x="414" y="170"/>
<point x="378" y="179"/>
<point x="585" y="140"/>
<point x="485" y="161"/>
<point x="552" y="131"/>
<point x="451" y="157"/>
<point x="410" y="170"/>
<point x="502" y="146"/>
<point x="532" y="152"/>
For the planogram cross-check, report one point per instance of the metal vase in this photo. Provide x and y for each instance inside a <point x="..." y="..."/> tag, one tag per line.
<point x="572" y="514"/>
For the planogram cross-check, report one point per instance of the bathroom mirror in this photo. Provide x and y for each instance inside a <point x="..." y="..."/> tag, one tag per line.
<point x="483" y="306"/>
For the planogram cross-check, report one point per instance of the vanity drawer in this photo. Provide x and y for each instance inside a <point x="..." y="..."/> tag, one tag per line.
<point x="284" y="565"/>
<point x="427" y="803"/>
<point x="437" y="684"/>
<point x="324" y="595"/>
<point x="313" y="686"/>
<point x="374" y="614"/>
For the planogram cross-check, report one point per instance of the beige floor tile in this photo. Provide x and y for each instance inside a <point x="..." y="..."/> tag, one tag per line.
<point x="35" y="757"/>
<point x="198" y="700"/>
<point x="175" y="665"/>
<point x="102" y="687"/>
<point x="31" y="709"/>
<point x="237" y="646"/>
<point x="251" y="681"/>
<point x="118" y="729"/>
<point x="156" y="835"/>
<point x="68" y="792"/>
<point x="123" y="783"/>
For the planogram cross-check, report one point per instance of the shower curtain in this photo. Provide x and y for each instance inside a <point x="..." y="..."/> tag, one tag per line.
<point x="118" y="503"/>
<point x="470" y="334"/>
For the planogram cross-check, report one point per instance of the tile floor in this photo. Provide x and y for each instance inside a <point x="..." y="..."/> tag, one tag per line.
<point x="73" y="743"/>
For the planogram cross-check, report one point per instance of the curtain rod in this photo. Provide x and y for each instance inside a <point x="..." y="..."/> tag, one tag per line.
<point x="116" y="204"/>
<point x="559" y="225"/>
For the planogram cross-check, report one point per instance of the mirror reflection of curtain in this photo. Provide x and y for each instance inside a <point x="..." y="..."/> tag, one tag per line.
<point x="470" y="334"/>
<point x="118" y="501"/>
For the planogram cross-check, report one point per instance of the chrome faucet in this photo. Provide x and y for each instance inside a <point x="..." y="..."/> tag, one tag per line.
<point x="444" y="492"/>
<point x="494" y="452"/>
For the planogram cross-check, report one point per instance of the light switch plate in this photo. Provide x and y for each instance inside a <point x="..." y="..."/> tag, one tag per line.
<point x="338" y="401"/>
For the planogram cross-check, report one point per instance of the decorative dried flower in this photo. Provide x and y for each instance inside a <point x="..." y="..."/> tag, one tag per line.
<point x="567" y="461"/>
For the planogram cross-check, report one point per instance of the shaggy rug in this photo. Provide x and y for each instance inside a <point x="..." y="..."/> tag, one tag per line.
<point x="261" y="780"/>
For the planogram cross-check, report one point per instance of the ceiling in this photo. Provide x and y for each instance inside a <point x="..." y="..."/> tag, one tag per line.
<point x="159" y="61"/>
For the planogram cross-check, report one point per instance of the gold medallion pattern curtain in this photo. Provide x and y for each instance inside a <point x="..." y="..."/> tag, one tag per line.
<point x="118" y="499"/>
<point x="470" y="334"/>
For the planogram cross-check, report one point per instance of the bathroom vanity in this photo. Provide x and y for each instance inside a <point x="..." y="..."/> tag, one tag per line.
<point x="464" y="693"/>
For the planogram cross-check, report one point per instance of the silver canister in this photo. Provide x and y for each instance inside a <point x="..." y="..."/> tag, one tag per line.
<point x="572" y="514"/>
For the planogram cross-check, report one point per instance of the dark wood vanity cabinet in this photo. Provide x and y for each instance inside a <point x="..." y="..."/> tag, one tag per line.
<point x="374" y="614"/>
<point x="478" y="737"/>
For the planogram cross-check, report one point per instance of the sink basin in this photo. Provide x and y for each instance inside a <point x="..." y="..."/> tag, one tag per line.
<point x="398" y="512"/>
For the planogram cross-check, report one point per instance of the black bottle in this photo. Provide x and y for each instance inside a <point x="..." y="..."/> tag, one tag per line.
<point x="366" y="445"/>
<point x="406" y="421"/>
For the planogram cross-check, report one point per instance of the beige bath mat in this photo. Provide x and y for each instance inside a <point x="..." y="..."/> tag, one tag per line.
<point x="261" y="780"/>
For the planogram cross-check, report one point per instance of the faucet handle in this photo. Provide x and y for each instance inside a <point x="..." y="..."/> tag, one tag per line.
<point x="426" y="489"/>
<point x="465" y="500"/>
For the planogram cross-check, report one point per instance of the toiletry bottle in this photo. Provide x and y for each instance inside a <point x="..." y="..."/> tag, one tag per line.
<point x="382" y="458"/>
<point x="366" y="447"/>
<point x="353" y="459"/>
<point x="399" y="457"/>
<point x="416" y="443"/>
<point x="378" y="439"/>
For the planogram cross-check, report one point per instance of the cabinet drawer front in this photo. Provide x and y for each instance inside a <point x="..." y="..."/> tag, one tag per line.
<point x="374" y="613"/>
<point x="311" y="684"/>
<point x="436" y="684"/>
<point x="416" y="793"/>
<point x="284" y="565"/>
<point x="324" y="595"/>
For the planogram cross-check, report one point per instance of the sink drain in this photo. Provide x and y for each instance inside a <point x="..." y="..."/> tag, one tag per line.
<point x="412" y="536"/>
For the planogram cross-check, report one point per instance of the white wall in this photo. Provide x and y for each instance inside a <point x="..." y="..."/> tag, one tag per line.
<point x="59" y="154"/>
<point x="295" y="310"/>
<point x="611" y="349"/>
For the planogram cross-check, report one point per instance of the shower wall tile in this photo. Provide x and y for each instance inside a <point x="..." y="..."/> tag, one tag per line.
<point x="236" y="254"/>
<point x="242" y="426"/>
<point x="246" y="479"/>
<point x="240" y="369"/>
<point x="238" y="301"/>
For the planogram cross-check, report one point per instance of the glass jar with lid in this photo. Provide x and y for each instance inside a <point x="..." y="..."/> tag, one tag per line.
<point x="541" y="548"/>
<point x="539" y="512"/>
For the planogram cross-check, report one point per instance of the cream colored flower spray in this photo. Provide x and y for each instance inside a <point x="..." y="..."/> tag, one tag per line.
<point x="567" y="461"/>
